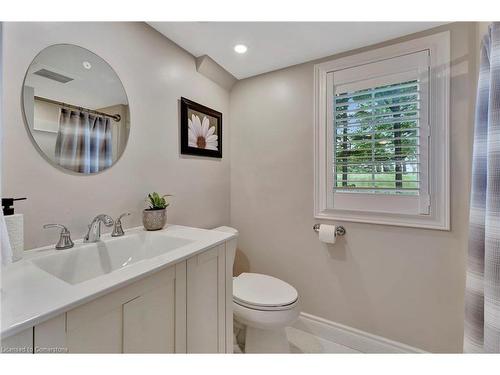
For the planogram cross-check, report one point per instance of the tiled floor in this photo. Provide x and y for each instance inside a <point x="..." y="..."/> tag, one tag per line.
<point x="303" y="342"/>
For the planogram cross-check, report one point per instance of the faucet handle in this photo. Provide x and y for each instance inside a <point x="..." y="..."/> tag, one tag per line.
<point x="65" y="241"/>
<point x="123" y="215"/>
<point x="118" y="229"/>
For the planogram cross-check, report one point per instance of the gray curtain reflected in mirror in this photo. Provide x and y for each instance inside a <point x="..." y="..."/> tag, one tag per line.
<point x="84" y="142"/>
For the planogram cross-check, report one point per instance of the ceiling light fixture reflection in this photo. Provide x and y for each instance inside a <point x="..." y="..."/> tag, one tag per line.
<point x="240" y="48"/>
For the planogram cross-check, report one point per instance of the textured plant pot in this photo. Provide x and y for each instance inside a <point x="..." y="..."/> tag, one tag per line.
<point x="154" y="219"/>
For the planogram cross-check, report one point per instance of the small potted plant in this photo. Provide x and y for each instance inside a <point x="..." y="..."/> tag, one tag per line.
<point x="155" y="217"/>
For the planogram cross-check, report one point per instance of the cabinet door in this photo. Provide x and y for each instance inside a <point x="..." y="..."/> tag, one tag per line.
<point x="50" y="336"/>
<point x="21" y="343"/>
<point x="140" y="318"/>
<point x="101" y="333"/>
<point x="149" y="321"/>
<point x="206" y="307"/>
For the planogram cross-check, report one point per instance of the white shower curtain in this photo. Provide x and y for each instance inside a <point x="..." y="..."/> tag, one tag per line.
<point x="84" y="141"/>
<point x="482" y="296"/>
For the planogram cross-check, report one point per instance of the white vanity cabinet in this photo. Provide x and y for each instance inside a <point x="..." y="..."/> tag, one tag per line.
<point x="183" y="308"/>
<point x="147" y="316"/>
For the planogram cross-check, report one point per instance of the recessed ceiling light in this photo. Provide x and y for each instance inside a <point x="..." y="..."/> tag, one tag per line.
<point x="87" y="65"/>
<point x="240" y="48"/>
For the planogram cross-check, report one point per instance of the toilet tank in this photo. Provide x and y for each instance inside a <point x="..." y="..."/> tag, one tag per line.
<point x="227" y="230"/>
<point x="231" y="245"/>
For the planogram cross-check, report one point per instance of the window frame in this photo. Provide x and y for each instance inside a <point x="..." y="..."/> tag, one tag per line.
<point x="438" y="200"/>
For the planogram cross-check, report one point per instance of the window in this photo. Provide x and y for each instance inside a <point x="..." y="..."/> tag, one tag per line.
<point x="381" y="133"/>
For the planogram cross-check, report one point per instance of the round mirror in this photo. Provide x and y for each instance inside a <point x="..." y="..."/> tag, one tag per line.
<point x="76" y="109"/>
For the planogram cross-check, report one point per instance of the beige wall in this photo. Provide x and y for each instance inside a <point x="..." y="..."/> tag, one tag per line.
<point x="155" y="73"/>
<point x="402" y="283"/>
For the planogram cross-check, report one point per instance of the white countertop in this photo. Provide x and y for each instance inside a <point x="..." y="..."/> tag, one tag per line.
<point x="30" y="295"/>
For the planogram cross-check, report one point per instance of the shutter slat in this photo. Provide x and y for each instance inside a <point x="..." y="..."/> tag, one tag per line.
<point x="375" y="173"/>
<point x="373" y="116"/>
<point x="340" y="188"/>
<point x="367" y="166"/>
<point x="349" y="124"/>
<point x="375" y="140"/>
<point x="377" y="99"/>
<point x="375" y="131"/>
<point x="376" y="90"/>
<point x="381" y="148"/>
<point x="376" y="181"/>
<point x="380" y="157"/>
<point x="377" y="107"/>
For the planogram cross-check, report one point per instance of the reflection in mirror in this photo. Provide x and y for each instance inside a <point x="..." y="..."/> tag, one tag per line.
<point x="76" y="109"/>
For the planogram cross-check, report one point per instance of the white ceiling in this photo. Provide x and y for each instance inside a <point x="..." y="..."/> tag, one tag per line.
<point x="98" y="87"/>
<point x="275" y="45"/>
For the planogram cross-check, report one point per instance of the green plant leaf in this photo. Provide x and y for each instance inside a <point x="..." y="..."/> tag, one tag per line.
<point x="156" y="201"/>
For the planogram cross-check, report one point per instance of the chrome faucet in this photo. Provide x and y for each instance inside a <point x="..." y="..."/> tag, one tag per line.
<point x="94" y="233"/>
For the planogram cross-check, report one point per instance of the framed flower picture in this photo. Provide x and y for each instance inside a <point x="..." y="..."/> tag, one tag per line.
<point x="201" y="130"/>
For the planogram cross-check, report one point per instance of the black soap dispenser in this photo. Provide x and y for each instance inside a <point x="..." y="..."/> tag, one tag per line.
<point x="8" y="205"/>
<point x="15" y="227"/>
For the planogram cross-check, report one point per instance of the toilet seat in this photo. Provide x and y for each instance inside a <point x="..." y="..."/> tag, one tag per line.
<point x="266" y="308"/>
<point x="262" y="292"/>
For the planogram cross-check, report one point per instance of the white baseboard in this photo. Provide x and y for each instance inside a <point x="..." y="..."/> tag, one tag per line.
<point x="356" y="339"/>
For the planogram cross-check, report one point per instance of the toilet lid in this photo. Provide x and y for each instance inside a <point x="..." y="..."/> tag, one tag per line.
<point x="263" y="290"/>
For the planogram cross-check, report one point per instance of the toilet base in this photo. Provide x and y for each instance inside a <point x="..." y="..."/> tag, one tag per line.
<point x="266" y="340"/>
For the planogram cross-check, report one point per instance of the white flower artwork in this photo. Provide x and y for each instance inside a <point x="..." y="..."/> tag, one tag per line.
<point x="201" y="134"/>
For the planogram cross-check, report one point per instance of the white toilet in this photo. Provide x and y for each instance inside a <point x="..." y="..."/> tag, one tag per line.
<point x="265" y="305"/>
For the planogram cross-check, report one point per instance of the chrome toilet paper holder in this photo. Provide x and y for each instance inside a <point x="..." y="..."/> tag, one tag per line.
<point x="339" y="230"/>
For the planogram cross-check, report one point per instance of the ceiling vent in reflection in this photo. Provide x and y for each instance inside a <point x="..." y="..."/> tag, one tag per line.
<point x="53" y="76"/>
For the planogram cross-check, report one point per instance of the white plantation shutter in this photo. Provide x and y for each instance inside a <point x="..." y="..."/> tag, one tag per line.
<point x="377" y="139"/>
<point x="380" y="133"/>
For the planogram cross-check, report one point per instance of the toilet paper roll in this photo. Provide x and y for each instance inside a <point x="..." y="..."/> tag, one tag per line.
<point x="15" y="230"/>
<point x="327" y="233"/>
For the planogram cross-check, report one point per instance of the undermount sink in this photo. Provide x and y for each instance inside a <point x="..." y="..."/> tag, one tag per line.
<point x="92" y="260"/>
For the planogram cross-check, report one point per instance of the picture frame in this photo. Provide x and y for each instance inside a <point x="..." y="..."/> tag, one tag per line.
<point x="201" y="130"/>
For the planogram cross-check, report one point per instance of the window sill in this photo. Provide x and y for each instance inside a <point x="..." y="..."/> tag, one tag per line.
<point x="411" y="221"/>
